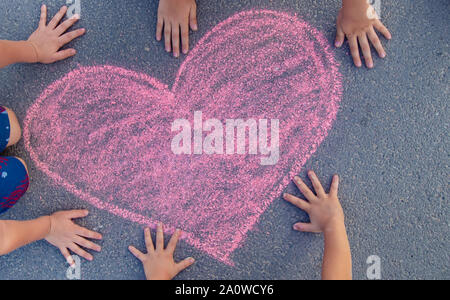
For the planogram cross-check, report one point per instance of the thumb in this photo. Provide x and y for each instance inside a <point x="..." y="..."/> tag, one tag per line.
<point x="306" y="227"/>
<point x="340" y="37"/>
<point x="182" y="265"/>
<point x="75" y="214"/>
<point x="63" y="54"/>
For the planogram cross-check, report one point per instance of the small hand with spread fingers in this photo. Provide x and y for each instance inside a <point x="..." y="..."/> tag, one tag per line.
<point x="175" y="17"/>
<point x="66" y="235"/>
<point x="324" y="209"/>
<point x="327" y="217"/>
<point x="49" y="38"/>
<point x="159" y="263"/>
<point x="358" y="21"/>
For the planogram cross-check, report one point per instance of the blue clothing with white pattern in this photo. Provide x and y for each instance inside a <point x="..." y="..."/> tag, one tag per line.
<point x="14" y="179"/>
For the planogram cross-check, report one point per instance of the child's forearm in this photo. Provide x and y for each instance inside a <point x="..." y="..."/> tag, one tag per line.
<point x="16" y="52"/>
<point x="337" y="260"/>
<point x="16" y="234"/>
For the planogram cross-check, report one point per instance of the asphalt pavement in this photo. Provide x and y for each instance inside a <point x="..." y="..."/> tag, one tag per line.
<point x="389" y="144"/>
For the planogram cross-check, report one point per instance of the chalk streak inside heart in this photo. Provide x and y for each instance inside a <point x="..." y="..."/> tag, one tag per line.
<point x="104" y="133"/>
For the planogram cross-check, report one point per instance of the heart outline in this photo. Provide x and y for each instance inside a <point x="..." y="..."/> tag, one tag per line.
<point x="138" y="218"/>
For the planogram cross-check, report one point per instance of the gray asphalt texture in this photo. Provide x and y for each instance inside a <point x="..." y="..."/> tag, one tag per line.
<point x="389" y="143"/>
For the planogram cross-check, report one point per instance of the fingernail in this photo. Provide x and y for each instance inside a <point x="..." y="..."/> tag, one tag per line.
<point x="370" y="65"/>
<point x="285" y="195"/>
<point x="70" y="261"/>
<point x="185" y="51"/>
<point x="297" y="227"/>
<point x="195" y="27"/>
<point x="75" y="17"/>
<point x="383" y="55"/>
<point x="191" y="260"/>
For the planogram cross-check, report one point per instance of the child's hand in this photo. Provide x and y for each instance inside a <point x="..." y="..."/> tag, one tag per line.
<point x="48" y="39"/>
<point x="357" y="21"/>
<point x="324" y="210"/>
<point x="174" y="15"/>
<point x="65" y="234"/>
<point x="159" y="263"/>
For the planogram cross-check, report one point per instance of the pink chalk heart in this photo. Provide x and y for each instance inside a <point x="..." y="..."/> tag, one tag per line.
<point x="105" y="133"/>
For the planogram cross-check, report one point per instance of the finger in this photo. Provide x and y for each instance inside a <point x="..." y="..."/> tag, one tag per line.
<point x="57" y="18"/>
<point x="176" y="40"/>
<point x="373" y="37"/>
<point x="138" y="254"/>
<point x="159" y="29"/>
<point x="80" y="252"/>
<point x="193" y="18"/>
<point x="381" y="28"/>
<point x="309" y="195"/>
<point x="365" y="47"/>
<point x="172" y="245"/>
<point x="185" y="38"/>
<point x="86" y="244"/>
<point x="70" y="36"/>
<point x="316" y="184"/>
<point x="353" y="42"/>
<point x="167" y="36"/>
<point x="64" y="54"/>
<point x="306" y="227"/>
<point x="340" y="37"/>
<point x="81" y="231"/>
<point x="160" y="237"/>
<point x="334" y="185"/>
<point x="67" y="24"/>
<point x="75" y="214"/>
<point x="302" y="204"/>
<point x="43" y="20"/>
<point x="148" y="240"/>
<point x="67" y="256"/>
<point x="184" y="264"/>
